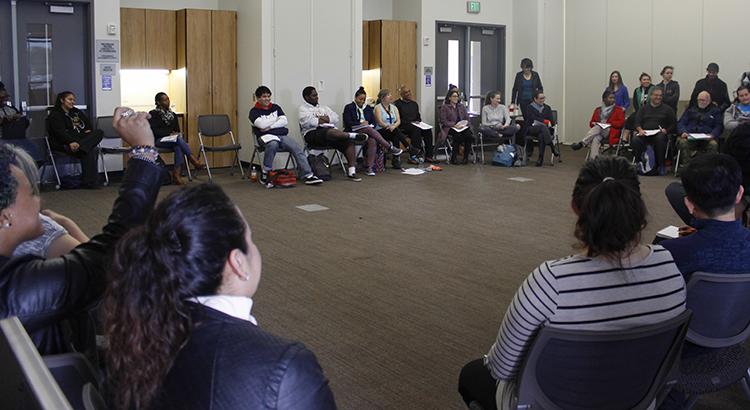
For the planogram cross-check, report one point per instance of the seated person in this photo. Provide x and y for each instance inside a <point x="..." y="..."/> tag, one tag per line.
<point x="454" y="122"/>
<point x="387" y="122"/>
<point x="703" y="118"/>
<point x="576" y="292"/>
<point x="608" y="113"/>
<point x="420" y="138"/>
<point x="739" y="111"/>
<point x="654" y="116"/>
<point x="269" y="127"/>
<point x="360" y="117"/>
<point x="496" y="120"/>
<point x="318" y="126"/>
<point x="641" y="97"/>
<point x="13" y="123"/>
<point x="539" y="121"/>
<point x="45" y="292"/>
<point x="70" y="132"/>
<point x="714" y="85"/>
<point x="60" y="234"/>
<point x="164" y="123"/>
<point x="738" y="147"/>
<point x="720" y="244"/>
<point x="186" y="280"/>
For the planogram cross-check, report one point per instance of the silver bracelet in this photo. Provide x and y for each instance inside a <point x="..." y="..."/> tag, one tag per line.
<point x="144" y="153"/>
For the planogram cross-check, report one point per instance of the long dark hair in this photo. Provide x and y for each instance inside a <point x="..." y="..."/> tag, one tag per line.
<point x="63" y="95"/>
<point x="490" y="96"/>
<point x="611" y="212"/>
<point x="611" y="86"/>
<point x="179" y="253"/>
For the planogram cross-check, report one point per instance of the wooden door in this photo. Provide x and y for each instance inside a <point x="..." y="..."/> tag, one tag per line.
<point x="224" y="76"/>
<point x="373" y="37"/>
<point x="197" y="39"/>
<point x="133" y="38"/>
<point x="407" y="54"/>
<point x="161" y="35"/>
<point x="365" y="45"/>
<point x="389" y="55"/>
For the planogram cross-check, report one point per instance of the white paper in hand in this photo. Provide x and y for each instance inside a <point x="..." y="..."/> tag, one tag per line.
<point x="603" y="125"/>
<point x="649" y="133"/>
<point x="422" y="125"/>
<point x="268" y="138"/>
<point x="670" y="232"/>
<point x="169" y="138"/>
<point x="700" y="136"/>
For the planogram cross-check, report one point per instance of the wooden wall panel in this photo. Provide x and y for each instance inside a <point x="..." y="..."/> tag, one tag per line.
<point x="198" y="73"/>
<point x="373" y="51"/>
<point x="389" y="55"/>
<point x="224" y="76"/>
<point x="132" y="38"/>
<point x="365" y="45"/>
<point x="181" y="39"/>
<point x="161" y="34"/>
<point x="407" y="54"/>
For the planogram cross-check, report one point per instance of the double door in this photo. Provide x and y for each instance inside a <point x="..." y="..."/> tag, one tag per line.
<point x="48" y="52"/>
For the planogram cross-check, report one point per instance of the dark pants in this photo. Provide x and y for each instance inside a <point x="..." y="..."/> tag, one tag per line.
<point x="464" y="138"/>
<point x="476" y="384"/>
<point x="675" y="193"/>
<point x="659" y="141"/>
<point x="88" y="155"/>
<point x="543" y="136"/>
<point x="396" y="137"/>
<point x="420" y="139"/>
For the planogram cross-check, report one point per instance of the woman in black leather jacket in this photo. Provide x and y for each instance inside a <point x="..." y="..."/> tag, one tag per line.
<point x="43" y="293"/>
<point x="178" y="316"/>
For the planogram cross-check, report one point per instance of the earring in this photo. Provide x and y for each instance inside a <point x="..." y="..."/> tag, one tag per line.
<point x="5" y="225"/>
<point x="247" y="277"/>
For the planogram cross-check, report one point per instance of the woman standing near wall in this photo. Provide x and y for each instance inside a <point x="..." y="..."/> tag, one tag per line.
<point x="527" y="82"/>
<point x="671" y="88"/>
<point x="618" y="88"/>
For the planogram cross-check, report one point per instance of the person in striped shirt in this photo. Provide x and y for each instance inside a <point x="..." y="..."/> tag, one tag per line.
<point x="614" y="283"/>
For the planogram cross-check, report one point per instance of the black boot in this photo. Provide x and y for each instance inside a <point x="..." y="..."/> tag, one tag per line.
<point x="540" y="161"/>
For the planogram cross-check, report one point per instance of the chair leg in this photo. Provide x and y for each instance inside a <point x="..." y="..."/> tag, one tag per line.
<point x="104" y="167"/>
<point x="187" y="167"/>
<point x="208" y="167"/>
<point x="338" y="156"/>
<point x="691" y="402"/>
<point x="745" y="382"/>
<point x="239" y="164"/>
<point x="677" y="162"/>
<point x="54" y="168"/>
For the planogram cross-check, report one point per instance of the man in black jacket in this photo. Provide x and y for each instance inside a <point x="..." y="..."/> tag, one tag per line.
<point x="714" y="85"/>
<point x="43" y="293"/>
<point x="539" y="121"/>
<point x="653" y="122"/>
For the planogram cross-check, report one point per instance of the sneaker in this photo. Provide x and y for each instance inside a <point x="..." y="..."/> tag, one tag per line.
<point x="263" y="178"/>
<point x="413" y="159"/>
<point x="360" y="137"/>
<point x="577" y="146"/>
<point x="312" y="180"/>
<point x="354" y="178"/>
<point x="394" y="150"/>
<point x="370" y="172"/>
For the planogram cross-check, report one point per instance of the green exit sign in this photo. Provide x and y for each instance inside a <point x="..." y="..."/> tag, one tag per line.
<point x="472" y="7"/>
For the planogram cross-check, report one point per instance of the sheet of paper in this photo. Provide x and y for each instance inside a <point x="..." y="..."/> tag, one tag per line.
<point x="412" y="171"/>
<point x="669" y="232"/>
<point x="700" y="136"/>
<point x="268" y="138"/>
<point x="169" y="138"/>
<point x="459" y="129"/>
<point x="537" y="122"/>
<point x="422" y="125"/>
<point x="361" y="127"/>
<point x="603" y="125"/>
<point x="326" y="125"/>
<point x="649" y="133"/>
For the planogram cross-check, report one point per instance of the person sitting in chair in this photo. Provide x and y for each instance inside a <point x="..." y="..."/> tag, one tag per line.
<point x="70" y="132"/>
<point x="576" y="292"/>
<point x="454" y="122"/>
<point x="409" y="111"/>
<point x="387" y="122"/>
<point x="269" y="127"/>
<point x="538" y="117"/>
<point x="166" y="128"/>
<point x="360" y="117"/>
<point x="653" y="122"/>
<point x="703" y="118"/>
<point x="13" y="123"/>
<point x="496" y="121"/>
<point x="318" y="126"/>
<point x="608" y="113"/>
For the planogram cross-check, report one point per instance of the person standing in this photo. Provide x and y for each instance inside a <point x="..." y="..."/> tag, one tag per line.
<point x="527" y="82"/>
<point x="618" y="88"/>
<point x="670" y="87"/>
<point x="714" y="85"/>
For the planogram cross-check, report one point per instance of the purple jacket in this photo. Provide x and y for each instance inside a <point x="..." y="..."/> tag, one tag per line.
<point x="449" y="116"/>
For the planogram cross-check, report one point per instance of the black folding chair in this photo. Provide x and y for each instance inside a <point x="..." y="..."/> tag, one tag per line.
<point x="619" y="369"/>
<point x="214" y="126"/>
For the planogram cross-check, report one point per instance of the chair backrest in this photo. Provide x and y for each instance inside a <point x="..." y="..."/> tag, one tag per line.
<point x="621" y="369"/>
<point x="72" y="371"/>
<point x="105" y="125"/>
<point x="214" y="125"/>
<point x="721" y="309"/>
<point x="92" y="400"/>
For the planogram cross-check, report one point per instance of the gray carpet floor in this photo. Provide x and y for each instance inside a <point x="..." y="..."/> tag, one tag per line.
<point x="403" y="279"/>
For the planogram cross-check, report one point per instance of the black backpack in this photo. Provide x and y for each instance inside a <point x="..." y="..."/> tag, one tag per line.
<point x="320" y="166"/>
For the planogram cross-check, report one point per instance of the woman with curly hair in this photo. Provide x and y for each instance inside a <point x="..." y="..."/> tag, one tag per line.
<point x="178" y="315"/>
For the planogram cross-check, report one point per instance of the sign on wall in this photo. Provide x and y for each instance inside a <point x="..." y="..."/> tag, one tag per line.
<point x="472" y="7"/>
<point x="107" y="51"/>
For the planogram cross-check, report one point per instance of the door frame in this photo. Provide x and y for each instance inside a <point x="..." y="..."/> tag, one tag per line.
<point x="500" y="31"/>
<point x="89" y="64"/>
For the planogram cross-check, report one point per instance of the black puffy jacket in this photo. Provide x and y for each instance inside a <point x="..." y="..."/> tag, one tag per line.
<point x="45" y="292"/>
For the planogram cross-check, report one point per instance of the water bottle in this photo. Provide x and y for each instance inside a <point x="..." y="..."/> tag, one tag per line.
<point x="254" y="174"/>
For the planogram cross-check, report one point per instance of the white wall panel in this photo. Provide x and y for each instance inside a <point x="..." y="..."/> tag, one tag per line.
<point x="677" y="32"/>
<point x="724" y="40"/>
<point x="629" y="45"/>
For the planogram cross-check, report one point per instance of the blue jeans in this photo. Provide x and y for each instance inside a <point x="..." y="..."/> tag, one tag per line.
<point x="288" y="144"/>
<point x="180" y="147"/>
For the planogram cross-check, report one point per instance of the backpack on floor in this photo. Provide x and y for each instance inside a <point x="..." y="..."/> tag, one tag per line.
<point x="379" y="164"/>
<point x="283" y="178"/>
<point x="505" y="156"/>
<point x="647" y="163"/>
<point x="320" y="166"/>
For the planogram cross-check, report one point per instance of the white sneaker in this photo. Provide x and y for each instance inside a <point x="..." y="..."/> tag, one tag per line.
<point x="354" y="177"/>
<point x="312" y="180"/>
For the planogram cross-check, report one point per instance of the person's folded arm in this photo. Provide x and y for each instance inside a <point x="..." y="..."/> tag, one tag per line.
<point x="304" y="386"/>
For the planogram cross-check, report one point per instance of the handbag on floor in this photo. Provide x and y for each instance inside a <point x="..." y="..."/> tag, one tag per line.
<point x="320" y="166"/>
<point x="283" y="178"/>
<point x="505" y="156"/>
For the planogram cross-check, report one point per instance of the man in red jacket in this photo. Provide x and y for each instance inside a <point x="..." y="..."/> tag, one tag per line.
<point x="606" y="122"/>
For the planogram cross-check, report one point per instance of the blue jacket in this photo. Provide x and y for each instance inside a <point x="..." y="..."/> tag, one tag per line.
<point x="622" y="98"/>
<point x="229" y="363"/>
<point x="351" y="116"/>
<point x="707" y="121"/>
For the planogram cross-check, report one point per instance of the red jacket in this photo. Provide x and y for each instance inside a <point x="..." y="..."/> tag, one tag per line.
<point x="616" y="119"/>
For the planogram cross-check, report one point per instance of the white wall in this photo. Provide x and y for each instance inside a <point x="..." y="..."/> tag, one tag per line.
<point x="107" y="12"/>
<point x="496" y="12"/>
<point x="643" y="36"/>
<point x="380" y="9"/>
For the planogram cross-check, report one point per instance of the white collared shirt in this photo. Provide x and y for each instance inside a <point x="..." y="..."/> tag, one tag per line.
<point x="235" y="306"/>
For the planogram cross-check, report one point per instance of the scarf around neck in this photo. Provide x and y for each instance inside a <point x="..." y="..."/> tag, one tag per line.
<point x="606" y="112"/>
<point x="166" y="115"/>
<point x="538" y="107"/>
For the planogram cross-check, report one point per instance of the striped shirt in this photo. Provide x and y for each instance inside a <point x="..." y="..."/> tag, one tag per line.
<point x="582" y="293"/>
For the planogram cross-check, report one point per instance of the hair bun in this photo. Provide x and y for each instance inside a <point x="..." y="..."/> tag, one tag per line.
<point x="361" y="88"/>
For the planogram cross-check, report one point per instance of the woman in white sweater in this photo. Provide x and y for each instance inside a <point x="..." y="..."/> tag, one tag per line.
<point x="496" y="120"/>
